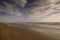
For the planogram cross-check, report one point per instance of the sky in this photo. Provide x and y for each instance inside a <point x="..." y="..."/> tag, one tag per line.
<point x="15" y="11"/>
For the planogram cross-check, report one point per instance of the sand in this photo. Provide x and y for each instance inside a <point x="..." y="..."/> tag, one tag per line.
<point x="14" y="33"/>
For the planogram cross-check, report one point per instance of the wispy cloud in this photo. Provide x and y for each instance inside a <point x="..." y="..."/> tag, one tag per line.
<point x="28" y="11"/>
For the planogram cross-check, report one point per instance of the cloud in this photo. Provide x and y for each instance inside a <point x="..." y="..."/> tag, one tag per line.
<point x="20" y="2"/>
<point x="11" y="13"/>
<point x="11" y="19"/>
<point x="42" y="11"/>
<point x="23" y="11"/>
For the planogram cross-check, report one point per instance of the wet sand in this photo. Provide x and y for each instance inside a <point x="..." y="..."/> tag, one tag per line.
<point x="14" y="33"/>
